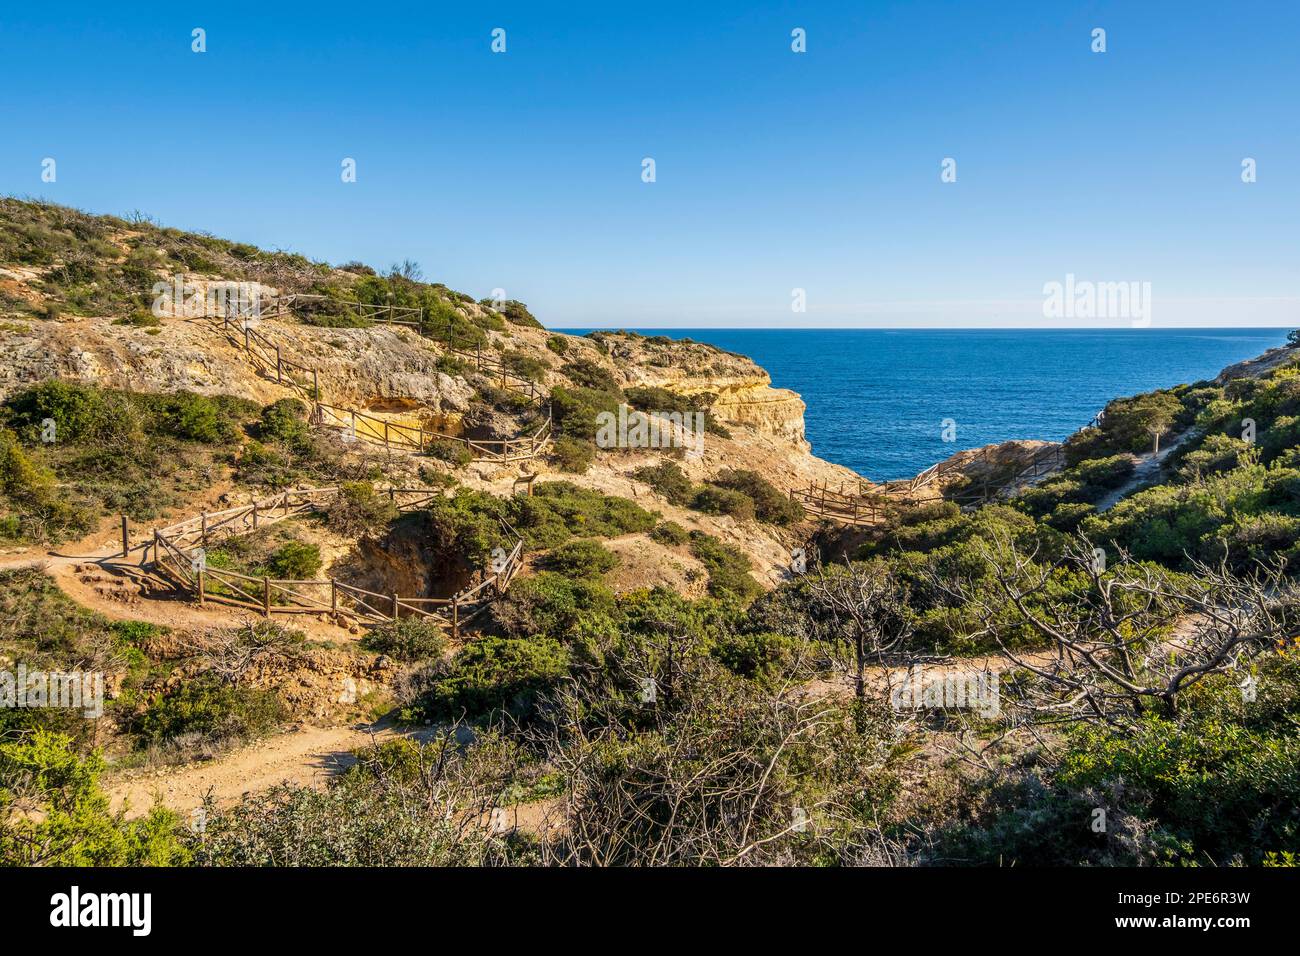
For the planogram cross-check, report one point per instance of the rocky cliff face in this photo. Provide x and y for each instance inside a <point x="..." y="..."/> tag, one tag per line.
<point x="743" y="391"/>
<point x="380" y="368"/>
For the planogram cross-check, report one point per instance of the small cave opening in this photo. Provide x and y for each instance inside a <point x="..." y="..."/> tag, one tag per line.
<point x="413" y="558"/>
<point x="392" y="404"/>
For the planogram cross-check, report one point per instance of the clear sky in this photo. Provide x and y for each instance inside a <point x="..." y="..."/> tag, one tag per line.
<point x="775" y="170"/>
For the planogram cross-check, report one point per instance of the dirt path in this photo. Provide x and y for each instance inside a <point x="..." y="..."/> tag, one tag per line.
<point x="306" y="756"/>
<point x="93" y="573"/>
<point x="1148" y="467"/>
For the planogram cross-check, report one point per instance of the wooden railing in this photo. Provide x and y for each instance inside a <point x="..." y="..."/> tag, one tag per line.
<point x="851" y="509"/>
<point x="865" y="504"/>
<point x="365" y="311"/>
<point x="179" y="552"/>
<point x="380" y="431"/>
<point x="268" y="359"/>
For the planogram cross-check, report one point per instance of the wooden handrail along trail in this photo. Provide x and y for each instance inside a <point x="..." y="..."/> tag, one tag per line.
<point x="269" y="360"/>
<point x="179" y="553"/>
<point x="866" y="503"/>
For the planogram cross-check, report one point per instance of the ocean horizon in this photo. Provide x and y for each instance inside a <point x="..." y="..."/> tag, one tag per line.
<point x="878" y="399"/>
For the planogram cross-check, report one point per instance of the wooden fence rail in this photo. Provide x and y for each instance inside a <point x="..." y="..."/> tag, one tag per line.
<point x="268" y="359"/>
<point x="864" y="503"/>
<point x="179" y="553"/>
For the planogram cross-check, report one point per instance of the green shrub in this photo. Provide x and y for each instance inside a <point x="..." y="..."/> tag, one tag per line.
<point x="195" y="418"/>
<point x="580" y="559"/>
<point x="668" y="479"/>
<point x="1221" y="780"/>
<point x="1067" y="518"/>
<point x="759" y="656"/>
<point x="360" y="509"/>
<point x="81" y="413"/>
<point x="655" y="399"/>
<point x="551" y="605"/>
<point x="40" y="510"/>
<point x="294" y="561"/>
<point x="670" y="533"/>
<point x="517" y="314"/>
<point x="445" y="322"/>
<point x="723" y="501"/>
<point x="495" y="675"/>
<point x="451" y="451"/>
<point x="525" y="366"/>
<point x="211" y="711"/>
<point x="285" y="421"/>
<point x="572" y="456"/>
<point x="728" y="568"/>
<point x="74" y="825"/>
<point x="575" y="410"/>
<point x="1104" y="473"/>
<point x="558" y="344"/>
<point x="559" y="510"/>
<point x="770" y="504"/>
<point x="585" y="373"/>
<point x="453" y="365"/>
<point x="407" y="639"/>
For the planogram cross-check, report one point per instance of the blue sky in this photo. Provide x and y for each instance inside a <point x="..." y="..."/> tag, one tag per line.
<point x="775" y="170"/>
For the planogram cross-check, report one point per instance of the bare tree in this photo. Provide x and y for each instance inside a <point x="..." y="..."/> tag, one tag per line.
<point x="733" y="774"/>
<point x="230" y="653"/>
<point x="1130" y="640"/>
<point x="407" y="269"/>
<point x="862" y="609"/>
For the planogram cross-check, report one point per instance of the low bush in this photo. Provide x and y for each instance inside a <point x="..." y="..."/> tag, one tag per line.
<point x="728" y="568"/>
<point x="525" y="366"/>
<point x="581" y="559"/>
<point x="284" y="421"/>
<point x="670" y="534"/>
<point x="714" y="500"/>
<point x="572" y="456"/>
<point x="407" y="639"/>
<point x="550" y="605"/>
<point x="294" y="561"/>
<point x="495" y="676"/>
<point x="576" y="411"/>
<point x="588" y="374"/>
<point x="668" y="479"/>
<point x="770" y="504"/>
<point x="559" y="510"/>
<point x="211" y="711"/>
<point x="451" y="451"/>
<point x="360" y="509"/>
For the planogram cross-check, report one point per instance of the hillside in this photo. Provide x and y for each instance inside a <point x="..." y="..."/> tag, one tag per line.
<point x="389" y="583"/>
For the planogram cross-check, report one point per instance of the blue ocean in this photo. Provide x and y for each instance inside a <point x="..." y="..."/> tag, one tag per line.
<point x="877" y="398"/>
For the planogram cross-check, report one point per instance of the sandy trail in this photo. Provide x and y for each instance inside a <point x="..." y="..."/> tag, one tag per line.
<point x="1148" y="467"/>
<point x="306" y="756"/>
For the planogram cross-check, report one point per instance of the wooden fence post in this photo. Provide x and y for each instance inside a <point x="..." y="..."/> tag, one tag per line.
<point x="126" y="542"/>
<point x="199" y="574"/>
<point x="394" y="605"/>
<point x="455" y="616"/>
<point x="266" y="596"/>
